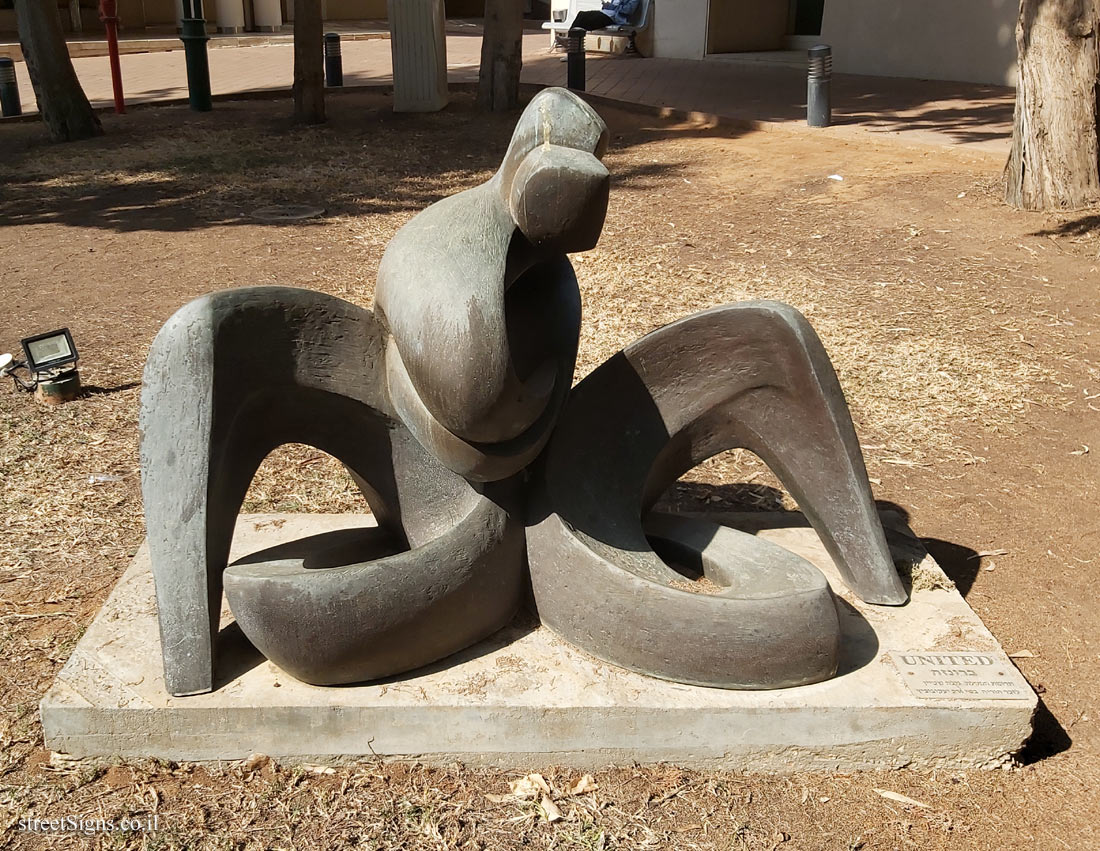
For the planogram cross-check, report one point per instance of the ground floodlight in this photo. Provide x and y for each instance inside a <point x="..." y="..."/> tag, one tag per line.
<point x="51" y="359"/>
<point x="50" y="352"/>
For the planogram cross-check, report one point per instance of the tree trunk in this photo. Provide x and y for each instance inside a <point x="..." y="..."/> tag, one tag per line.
<point x="1054" y="163"/>
<point x="61" y="101"/>
<point x="501" y="55"/>
<point x="309" y="72"/>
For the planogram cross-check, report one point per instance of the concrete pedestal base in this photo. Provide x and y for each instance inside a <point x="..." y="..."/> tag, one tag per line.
<point x="922" y="685"/>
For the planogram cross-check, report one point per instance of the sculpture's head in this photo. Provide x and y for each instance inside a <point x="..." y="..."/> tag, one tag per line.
<point x="551" y="178"/>
<point x="481" y="303"/>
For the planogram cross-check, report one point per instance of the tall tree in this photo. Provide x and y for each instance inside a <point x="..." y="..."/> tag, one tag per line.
<point x="501" y="55"/>
<point x="1055" y="159"/>
<point x="61" y="101"/>
<point x="309" y="73"/>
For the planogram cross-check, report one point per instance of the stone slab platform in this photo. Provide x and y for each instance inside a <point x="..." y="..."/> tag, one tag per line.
<point x="525" y="698"/>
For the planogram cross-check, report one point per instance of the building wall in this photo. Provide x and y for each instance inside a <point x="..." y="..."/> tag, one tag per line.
<point x="131" y="14"/>
<point x="679" y="28"/>
<point x="166" y="12"/>
<point x="738" y="25"/>
<point x="465" y="8"/>
<point x="689" y="29"/>
<point x="162" y="13"/>
<point x="136" y="14"/>
<point x="345" y="10"/>
<point x="970" y="40"/>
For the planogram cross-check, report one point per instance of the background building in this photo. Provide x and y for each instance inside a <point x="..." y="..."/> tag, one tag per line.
<point x="225" y="15"/>
<point x="971" y="40"/>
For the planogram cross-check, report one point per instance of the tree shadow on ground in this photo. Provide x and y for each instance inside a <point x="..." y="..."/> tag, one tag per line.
<point x="1081" y="226"/>
<point x="966" y="113"/>
<point x="169" y="169"/>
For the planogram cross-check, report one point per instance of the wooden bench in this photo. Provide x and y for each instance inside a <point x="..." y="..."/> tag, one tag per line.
<point x="563" y="12"/>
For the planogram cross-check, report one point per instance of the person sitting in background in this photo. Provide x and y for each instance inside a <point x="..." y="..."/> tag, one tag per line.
<point x="613" y="13"/>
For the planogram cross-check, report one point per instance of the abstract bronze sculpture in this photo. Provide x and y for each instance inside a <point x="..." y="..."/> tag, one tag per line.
<point x="439" y="401"/>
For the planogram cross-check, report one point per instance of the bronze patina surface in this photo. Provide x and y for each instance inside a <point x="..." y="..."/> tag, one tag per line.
<point x="440" y="402"/>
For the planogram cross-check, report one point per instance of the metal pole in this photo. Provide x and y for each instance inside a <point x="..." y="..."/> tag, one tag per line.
<point x="108" y="13"/>
<point x="819" y="107"/>
<point x="334" y="60"/>
<point x="194" y="40"/>
<point x="574" y="58"/>
<point x="9" y="89"/>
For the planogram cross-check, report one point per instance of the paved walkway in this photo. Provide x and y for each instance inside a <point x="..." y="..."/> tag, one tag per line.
<point x="921" y="111"/>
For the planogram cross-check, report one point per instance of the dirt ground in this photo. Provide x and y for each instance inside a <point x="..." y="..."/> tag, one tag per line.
<point x="965" y="334"/>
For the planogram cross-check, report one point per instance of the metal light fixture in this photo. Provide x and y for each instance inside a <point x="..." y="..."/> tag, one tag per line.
<point x="50" y="352"/>
<point x="51" y="359"/>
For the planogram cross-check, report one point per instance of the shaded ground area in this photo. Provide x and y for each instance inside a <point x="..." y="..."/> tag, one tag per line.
<point x="934" y="111"/>
<point x="965" y="335"/>
<point x="931" y="111"/>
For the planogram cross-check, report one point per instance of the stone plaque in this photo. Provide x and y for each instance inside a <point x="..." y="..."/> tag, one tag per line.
<point x="955" y="675"/>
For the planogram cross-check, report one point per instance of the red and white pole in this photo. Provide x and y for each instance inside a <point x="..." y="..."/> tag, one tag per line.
<point x="108" y="13"/>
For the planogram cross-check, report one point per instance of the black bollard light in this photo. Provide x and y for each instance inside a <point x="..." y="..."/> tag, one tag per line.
<point x="819" y="107"/>
<point x="9" y="89"/>
<point x="574" y="58"/>
<point x="194" y="38"/>
<point x="334" y="60"/>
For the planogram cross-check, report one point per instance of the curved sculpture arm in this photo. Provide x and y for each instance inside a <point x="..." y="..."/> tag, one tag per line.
<point x="750" y="375"/>
<point x="232" y="376"/>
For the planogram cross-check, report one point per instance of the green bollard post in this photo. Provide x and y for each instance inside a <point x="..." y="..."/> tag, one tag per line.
<point x="194" y="38"/>
<point x="9" y="89"/>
